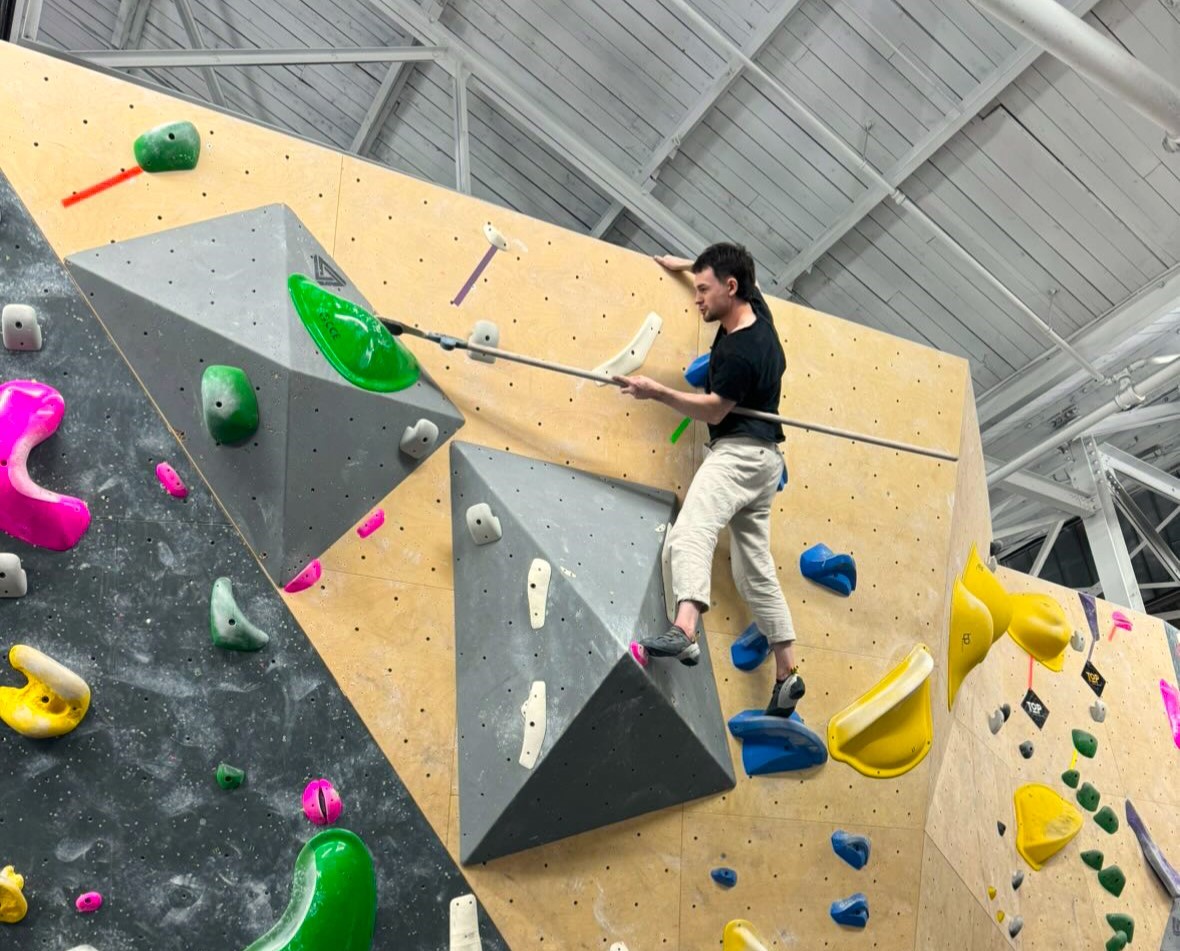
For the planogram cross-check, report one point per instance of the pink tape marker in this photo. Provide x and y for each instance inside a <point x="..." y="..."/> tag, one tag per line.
<point x="30" y="413"/>
<point x="371" y="524"/>
<point x="305" y="579"/>
<point x="321" y="802"/>
<point x="88" y="903"/>
<point x="171" y="481"/>
<point x="1172" y="708"/>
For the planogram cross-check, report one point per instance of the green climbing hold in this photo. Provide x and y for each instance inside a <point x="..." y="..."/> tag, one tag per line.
<point x="355" y="342"/>
<point x="1071" y="778"/>
<point x="1085" y="743"/>
<point x="228" y="627"/>
<point x="1088" y="796"/>
<point x="231" y="408"/>
<point x="1093" y="858"/>
<point x="1106" y="818"/>
<point x="172" y="147"/>
<point x="1123" y="923"/>
<point x="333" y="899"/>
<point x="1117" y="942"/>
<point x="1112" y="879"/>
<point x="230" y="777"/>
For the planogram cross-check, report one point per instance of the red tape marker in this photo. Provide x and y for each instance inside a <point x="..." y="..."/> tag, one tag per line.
<point x="101" y="186"/>
<point x="1030" y="670"/>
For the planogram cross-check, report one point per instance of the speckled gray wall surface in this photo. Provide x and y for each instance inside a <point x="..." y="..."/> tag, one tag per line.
<point x="127" y="803"/>
<point x="215" y="292"/>
<point x="619" y="740"/>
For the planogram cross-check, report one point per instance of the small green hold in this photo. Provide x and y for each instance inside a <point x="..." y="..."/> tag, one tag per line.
<point x="1088" y="796"/>
<point x="1117" y="942"/>
<point x="1112" y="879"/>
<point x="1106" y="818"/>
<point x="1085" y="743"/>
<point x="1123" y="923"/>
<point x="229" y="404"/>
<point x="1093" y="858"/>
<point x="228" y="627"/>
<point x="172" y="147"/>
<point x="230" y="777"/>
<point x="1071" y="777"/>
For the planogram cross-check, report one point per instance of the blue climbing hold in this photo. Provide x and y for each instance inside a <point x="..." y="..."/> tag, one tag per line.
<point x="823" y="566"/>
<point x="776" y="744"/>
<point x="697" y="373"/>
<point x="852" y="911"/>
<point x="726" y="877"/>
<point x="853" y="849"/>
<point x="749" y="650"/>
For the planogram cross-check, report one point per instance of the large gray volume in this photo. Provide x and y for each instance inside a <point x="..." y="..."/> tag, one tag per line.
<point x="127" y="803"/>
<point x="215" y="292"/>
<point x="619" y="740"/>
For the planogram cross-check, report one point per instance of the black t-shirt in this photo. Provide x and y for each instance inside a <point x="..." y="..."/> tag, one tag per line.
<point x="747" y="367"/>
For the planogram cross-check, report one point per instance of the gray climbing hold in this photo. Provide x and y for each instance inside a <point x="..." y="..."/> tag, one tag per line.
<point x="995" y="721"/>
<point x="228" y="627"/>
<point x="1098" y="711"/>
<point x="1014" y="926"/>
<point x="1001" y="828"/>
<point x="20" y="328"/>
<point x="1078" y="641"/>
<point x="1017" y="879"/>
<point x="483" y="525"/>
<point x="1026" y="749"/>
<point x="14" y="583"/>
<point x="419" y="440"/>
<point x="1006" y="710"/>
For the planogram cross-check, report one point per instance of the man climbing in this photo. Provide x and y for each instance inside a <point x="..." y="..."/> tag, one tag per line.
<point x="736" y="483"/>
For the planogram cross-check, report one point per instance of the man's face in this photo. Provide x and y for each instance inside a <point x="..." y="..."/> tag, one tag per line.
<point x="714" y="298"/>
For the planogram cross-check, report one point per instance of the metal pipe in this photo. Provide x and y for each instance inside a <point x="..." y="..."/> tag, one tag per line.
<point x="462" y="141"/>
<point x="1096" y="57"/>
<point x="162" y="59"/>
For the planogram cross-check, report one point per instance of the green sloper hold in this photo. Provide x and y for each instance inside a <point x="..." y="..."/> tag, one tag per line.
<point x="230" y="777"/>
<point x="355" y="342"/>
<point x="1093" y="858"/>
<point x="229" y="403"/>
<point x="1085" y="743"/>
<point x="228" y="627"/>
<point x="1123" y="923"/>
<point x="1088" y="796"/>
<point x="1112" y="879"/>
<point x="333" y="899"/>
<point x="1071" y="778"/>
<point x="1117" y="942"/>
<point x="1106" y="818"/>
<point x="172" y="147"/>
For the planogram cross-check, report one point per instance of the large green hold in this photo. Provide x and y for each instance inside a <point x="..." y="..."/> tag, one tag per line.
<point x="333" y="900"/>
<point x="1085" y="743"/>
<point x="1106" y="818"/>
<point x="1112" y="879"/>
<point x="1088" y="796"/>
<point x="172" y="147"/>
<point x="1123" y="923"/>
<point x="228" y="626"/>
<point x="230" y="777"/>
<point x="355" y="342"/>
<point x="1117" y="941"/>
<point x="1093" y="858"/>
<point x="1071" y="777"/>
<point x="229" y="404"/>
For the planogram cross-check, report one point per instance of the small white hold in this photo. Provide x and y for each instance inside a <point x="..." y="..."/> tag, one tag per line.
<point x="1017" y="879"/>
<point x="995" y="721"/>
<point x="83" y="947"/>
<point x="1098" y="711"/>
<point x="540" y="572"/>
<point x="419" y="439"/>
<point x="14" y="583"/>
<point x="533" y="712"/>
<point x="495" y="239"/>
<point x="483" y="525"/>
<point x="484" y="334"/>
<point x="1078" y="641"/>
<point x="20" y="328"/>
<point x="465" y="924"/>
<point x="618" y="946"/>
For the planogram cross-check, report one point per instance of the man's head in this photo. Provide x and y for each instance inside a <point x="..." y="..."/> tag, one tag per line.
<point x="723" y="276"/>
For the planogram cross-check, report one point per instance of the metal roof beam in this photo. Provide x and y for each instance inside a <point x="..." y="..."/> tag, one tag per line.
<point x="1142" y="472"/>
<point x="1063" y="498"/>
<point x="157" y="59"/>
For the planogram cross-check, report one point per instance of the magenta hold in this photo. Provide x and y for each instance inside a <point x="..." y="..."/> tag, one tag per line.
<point x="171" y="481"/>
<point x="639" y="654"/>
<point x="305" y="579"/>
<point x="321" y="802"/>
<point x="88" y="903"/>
<point x="371" y="524"/>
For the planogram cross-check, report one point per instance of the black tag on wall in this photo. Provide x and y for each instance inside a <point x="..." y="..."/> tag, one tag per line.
<point x="1094" y="680"/>
<point x="1035" y="708"/>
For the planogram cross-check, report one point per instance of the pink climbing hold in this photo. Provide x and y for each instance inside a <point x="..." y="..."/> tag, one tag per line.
<point x="321" y="802"/>
<point x="305" y="579"/>
<point x="1172" y="708"/>
<point x="639" y="654"/>
<point x="1119" y="622"/>
<point x="171" y="481"/>
<point x="89" y="902"/>
<point x="29" y="414"/>
<point x="371" y="524"/>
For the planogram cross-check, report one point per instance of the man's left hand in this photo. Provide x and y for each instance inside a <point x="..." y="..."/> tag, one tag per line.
<point x="641" y="387"/>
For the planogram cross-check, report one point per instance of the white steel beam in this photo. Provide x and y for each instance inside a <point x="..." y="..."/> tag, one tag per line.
<point x="1142" y="472"/>
<point x="462" y="139"/>
<point x="1146" y="531"/>
<point x="193" y="32"/>
<point x="1032" y="526"/>
<point x="157" y="59"/>
<point x="26" y="20"/>
<point x="1046" y="491"/>
<point x="1046" y="549"/>
<point x="1163" y="523"/>
<point x="129" y="23"/>
<point x="382" y="106"/>
<point x="1137" y="418"/>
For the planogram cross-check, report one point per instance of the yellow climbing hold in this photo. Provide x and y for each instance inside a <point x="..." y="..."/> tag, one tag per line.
<point x="1040" y="626"/>
<point x="991" y="892"/>
<point x="968" y="640"/>
<point x="986" y="586"/>
<point x="739" y="935"/>
<point x="54" y="700"/>
<point x="999" y="916"/>
<point x="1045" y="823"/>
<point x="13" y="906"/>
<point x="888" y="730"/>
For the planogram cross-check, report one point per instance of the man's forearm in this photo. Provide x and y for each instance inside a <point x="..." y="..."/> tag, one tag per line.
<point x="706" y="407"/>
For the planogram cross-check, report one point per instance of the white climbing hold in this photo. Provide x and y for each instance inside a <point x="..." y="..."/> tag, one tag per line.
<point x="465" y="924"/>
<point x="1014" y="926"/>
<point x="533" y="711"/>
<point x="538" y="591"/>
<point x="485" y="334"/>
<point x="1098" y="711"/>
<point x="495" y="239"/>
<point x="995" y="721"/>
<point x="1078" y="641"/>
<point x="20" y="328"/>
<point x="419" y="439"/>
<point x="1017" y="879"/>
<point x="14" y="583"/>
<point x="483" y="525"/>
<point x="618" y="946"/>
<point x="632" y="356"/>
<point x="666" y="572"/>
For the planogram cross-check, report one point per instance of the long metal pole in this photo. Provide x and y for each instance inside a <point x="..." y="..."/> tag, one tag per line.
<point x="162" y="59"/>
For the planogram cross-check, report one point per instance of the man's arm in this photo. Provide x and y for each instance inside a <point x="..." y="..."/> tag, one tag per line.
<point x="707" y="407"/>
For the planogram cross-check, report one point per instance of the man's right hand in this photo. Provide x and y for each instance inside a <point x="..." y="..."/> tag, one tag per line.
<point x="672" y="263"/>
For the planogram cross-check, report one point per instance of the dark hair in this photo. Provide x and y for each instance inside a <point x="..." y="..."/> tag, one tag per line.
<point x="728" y="260"/>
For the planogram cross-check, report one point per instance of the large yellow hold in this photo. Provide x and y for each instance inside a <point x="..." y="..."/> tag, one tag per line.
<point x="53" y="702"/>
<point x="980" y="581"/>
<point x="1045" y="823"/>
<point x="968" y="639"/>
<point x="1039" y="625"/>
<point x="888" y="730"/>
<point x="739" y="935"/>
<point x="13" y="906"/>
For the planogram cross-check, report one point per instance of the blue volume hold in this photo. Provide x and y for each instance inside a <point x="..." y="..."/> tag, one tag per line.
<point x="773" y="744"/>
<point x="823" y="566"/>
<point x="725" y="877"/>
<point x="853" y="849"/>
<point x="852" y="911"/>
<point x="697" y="373"/>
<point x="749" y="650"/>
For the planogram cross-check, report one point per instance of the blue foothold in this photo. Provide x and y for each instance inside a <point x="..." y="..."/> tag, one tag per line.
<point x="823" y="566"/>
<point x="853" y="849"/>
<point x="725" y="877"/>
<point x="749" y="650"/>
<point x="698" y="371"/>
<point x="773" y="744"/>
<point x="852" y="911"/>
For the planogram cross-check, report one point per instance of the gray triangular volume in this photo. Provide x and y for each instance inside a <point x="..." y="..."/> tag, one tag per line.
<point x="215" y="292"/>
<point x="619" y="740"/>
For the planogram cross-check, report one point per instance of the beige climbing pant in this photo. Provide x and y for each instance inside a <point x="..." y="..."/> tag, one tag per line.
<point x="734" y="486"/>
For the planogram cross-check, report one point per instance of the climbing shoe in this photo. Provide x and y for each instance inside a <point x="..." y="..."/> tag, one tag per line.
<point x="673" y="643"/>
<point x="787" y="693"/>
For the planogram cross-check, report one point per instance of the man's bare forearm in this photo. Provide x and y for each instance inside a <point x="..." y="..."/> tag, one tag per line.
<point x="707" y="407"/>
